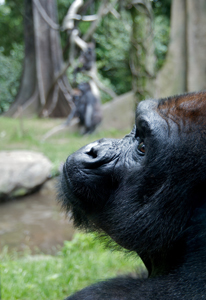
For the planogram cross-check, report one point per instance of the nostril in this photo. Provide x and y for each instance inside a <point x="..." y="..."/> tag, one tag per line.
<point x="92" y="152"/>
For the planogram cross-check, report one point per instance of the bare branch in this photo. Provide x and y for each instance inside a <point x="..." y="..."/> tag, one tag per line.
<point x="75" y="39"/>
<point x="105" y="89"/>
<point x="47" y="112"/>
<point x="92" y="74"/>
<point x="59" y="75"/>
<point x="90" y="18"/>
<point x="59" y="128"/>
<point x="45" y="16"/>
<point x="66" y="93"/>
<point x="114" y="12"/>
<point x="80" y="42"/>
<point x="85" y="7"/>
<point x="101" y="12"/>
<point x="39" y="74"/>
<point x="68" y="22"/>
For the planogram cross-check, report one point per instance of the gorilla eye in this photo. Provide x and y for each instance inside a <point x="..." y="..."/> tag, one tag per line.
<point x="141" y="148"/>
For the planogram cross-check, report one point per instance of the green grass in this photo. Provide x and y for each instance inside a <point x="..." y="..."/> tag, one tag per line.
<point x="81" y="262"/>
<point x="27" y="134"/>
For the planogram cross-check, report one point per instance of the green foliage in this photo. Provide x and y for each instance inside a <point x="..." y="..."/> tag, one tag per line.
<point x="63" y="6"/>
<point x="11" y="25"/>
<point x="81" y="262"/>
<point x="113" y="44"/>
<point x="161" y="10"/>
<point x="11" y="50"/>
<point x="162" y="7"/>
<point x="161" y="38"/>
<point x="10" y="72"/>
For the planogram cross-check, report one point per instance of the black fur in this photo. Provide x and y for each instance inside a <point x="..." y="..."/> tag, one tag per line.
<point x="147" y="191"/>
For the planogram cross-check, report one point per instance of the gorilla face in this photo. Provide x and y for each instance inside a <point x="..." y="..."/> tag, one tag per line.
<point x="141" y="190"/>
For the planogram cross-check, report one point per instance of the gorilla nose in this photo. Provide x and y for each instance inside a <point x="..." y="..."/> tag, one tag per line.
<point x="97" y="153"/>
<point x="92" y="150"/>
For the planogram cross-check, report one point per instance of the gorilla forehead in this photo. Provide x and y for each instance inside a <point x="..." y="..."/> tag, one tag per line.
<point x="148" y="121"/>
<point x="153" y="127"/>
<point x="147" y="110"/>
<point x="176" y="118"/>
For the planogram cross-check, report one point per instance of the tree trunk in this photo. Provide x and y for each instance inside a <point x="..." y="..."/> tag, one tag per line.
<point x="185" y="66"/>
<point x="196" y="76"/>
<point x="142" y="59"/>
<point x="40" y="91"/>
<point x="172" y="77"/>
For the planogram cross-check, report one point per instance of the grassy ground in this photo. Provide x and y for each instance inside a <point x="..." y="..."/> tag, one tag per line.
<point x="82" y="261"/>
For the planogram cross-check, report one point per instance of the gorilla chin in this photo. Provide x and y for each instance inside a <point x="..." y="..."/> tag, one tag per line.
<point x="147" y="192"/>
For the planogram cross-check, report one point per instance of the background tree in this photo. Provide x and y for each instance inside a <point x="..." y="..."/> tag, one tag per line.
<point x="11" y="50"/>
<point x="42" y="90"/>
<point x="114" y="45"/>
<point x="184" y="69"/>
<point x="142" y="61"/>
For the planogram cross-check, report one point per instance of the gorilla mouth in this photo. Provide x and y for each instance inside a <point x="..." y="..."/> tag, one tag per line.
<point x="79" y="194"/>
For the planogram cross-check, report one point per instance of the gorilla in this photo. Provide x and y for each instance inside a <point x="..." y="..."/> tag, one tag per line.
<point x="87" y="59"/>
<point x="147" y="191"/>
<point x="88" y="107"/>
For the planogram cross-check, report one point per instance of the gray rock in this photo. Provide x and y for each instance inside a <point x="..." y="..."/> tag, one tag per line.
<point x="119" y="113"/>
<point x="22" y="171"/>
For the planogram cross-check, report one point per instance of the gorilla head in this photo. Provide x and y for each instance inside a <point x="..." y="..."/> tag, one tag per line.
<point x="147" y="192"/>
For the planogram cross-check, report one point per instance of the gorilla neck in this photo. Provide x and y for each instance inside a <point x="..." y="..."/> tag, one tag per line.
<point x="188" y="253"/>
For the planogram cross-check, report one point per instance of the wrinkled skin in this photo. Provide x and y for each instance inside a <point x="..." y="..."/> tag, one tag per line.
<point x="147" y="191"/>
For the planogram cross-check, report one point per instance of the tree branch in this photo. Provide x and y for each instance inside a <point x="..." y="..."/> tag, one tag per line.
<point x="83" y="8"/>
<point x="60" y="74"/>
<point x="94" y="25"/>
<point x="92" y="74"/>
<point x="58" y="129"/>
<point x="68" y="22"/>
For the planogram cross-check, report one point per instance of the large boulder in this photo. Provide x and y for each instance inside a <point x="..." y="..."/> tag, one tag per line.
<point x="22" y="171"/>
<point x="119" y="113"/>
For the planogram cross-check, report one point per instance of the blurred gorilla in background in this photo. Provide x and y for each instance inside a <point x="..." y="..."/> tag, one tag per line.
<point x="147" y="191"/>
<point x="87" y="107"/>
<point x="87" y="59"/>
